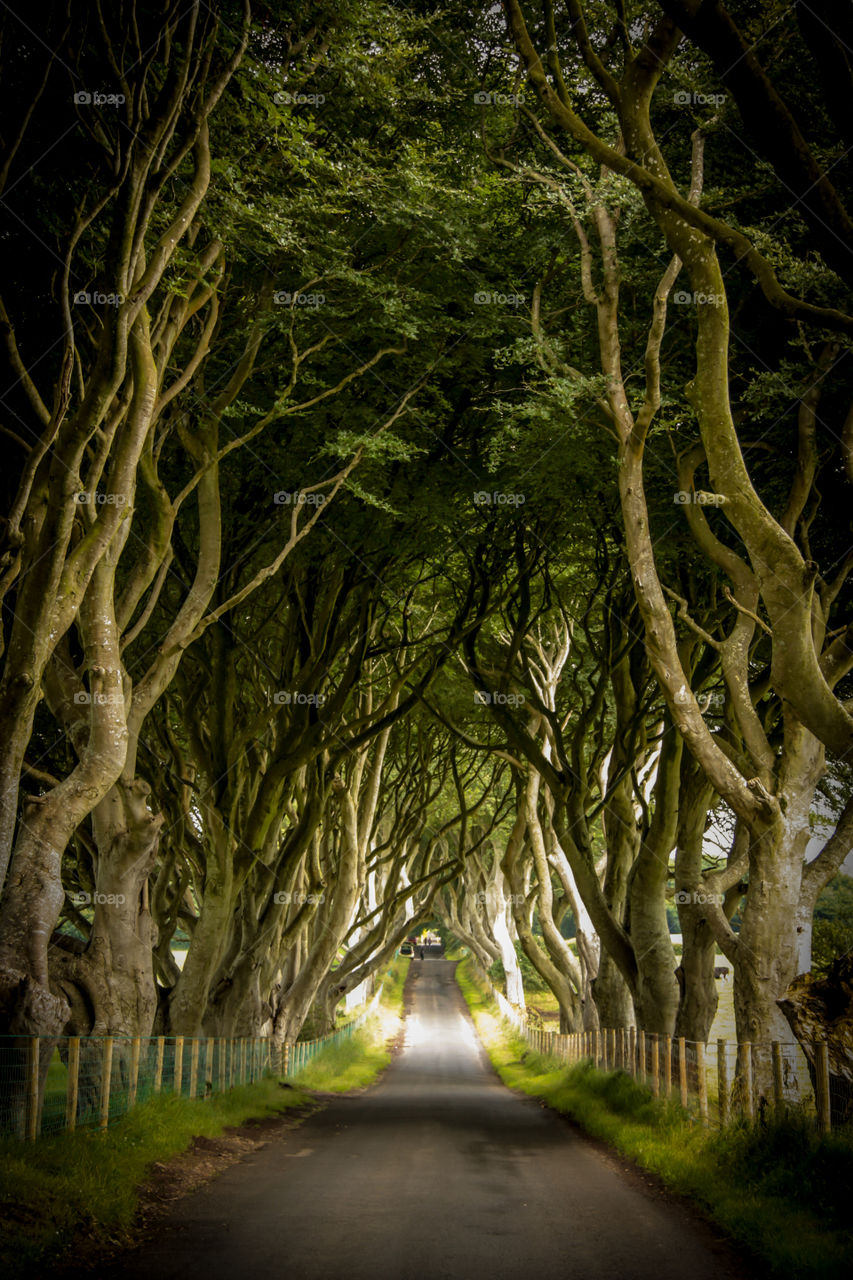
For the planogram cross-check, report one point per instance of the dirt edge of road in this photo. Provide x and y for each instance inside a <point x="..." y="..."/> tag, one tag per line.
<point x="169" y="1181"/>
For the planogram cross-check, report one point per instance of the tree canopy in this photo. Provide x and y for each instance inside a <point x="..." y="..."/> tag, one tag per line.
<point x="429" y="454"/>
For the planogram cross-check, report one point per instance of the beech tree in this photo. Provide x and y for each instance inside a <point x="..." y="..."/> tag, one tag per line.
<point x="771" y="787"/>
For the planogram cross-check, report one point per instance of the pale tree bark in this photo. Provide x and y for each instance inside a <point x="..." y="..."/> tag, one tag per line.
<point x="44" y="515"/>
<point x="764" y="950"/>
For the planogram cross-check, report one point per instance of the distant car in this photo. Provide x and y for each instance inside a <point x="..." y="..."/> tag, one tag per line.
<point x="407" y="949"/>
<point x="721" y="971"/>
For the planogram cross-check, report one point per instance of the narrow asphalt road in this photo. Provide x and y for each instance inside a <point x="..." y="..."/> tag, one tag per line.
<point x="438" y="1171"/>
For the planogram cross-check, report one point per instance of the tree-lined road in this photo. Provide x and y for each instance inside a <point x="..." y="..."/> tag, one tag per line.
<point x="437" y="1171"/>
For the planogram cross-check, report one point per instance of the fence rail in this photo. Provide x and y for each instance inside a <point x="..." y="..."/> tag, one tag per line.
<point x="52" y="1084"/>
<point x="714" y="1084"/>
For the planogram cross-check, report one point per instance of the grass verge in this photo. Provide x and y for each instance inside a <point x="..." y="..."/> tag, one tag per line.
<point x="78" y="1192"/>
<point x="780" y="1190"/>
<point x="62" y="1189"/>
<point x="356" y="1062"/>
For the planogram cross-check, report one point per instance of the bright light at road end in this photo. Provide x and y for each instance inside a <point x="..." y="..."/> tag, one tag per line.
<point x="445" y="1030"/>
<point x="416" y="1032"/>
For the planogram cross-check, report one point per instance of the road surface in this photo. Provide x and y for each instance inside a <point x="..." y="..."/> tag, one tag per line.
<point x="436" y="1172"/>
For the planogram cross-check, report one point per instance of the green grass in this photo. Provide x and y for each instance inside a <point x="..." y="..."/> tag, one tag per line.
<point x="356" y="1062"/>
<point x="80" y="1190"/>
<point x="84" y="1184"/>
<point x="781" y="1190"/>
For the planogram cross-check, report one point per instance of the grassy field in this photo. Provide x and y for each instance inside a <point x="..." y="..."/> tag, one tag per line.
<point x="780" y="1191"/>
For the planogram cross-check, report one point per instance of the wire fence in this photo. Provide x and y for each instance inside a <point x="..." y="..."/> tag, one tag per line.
<point x="717" y="1084"/>
<point x="54" y="1084"/>
<point x="301" y="1053"/>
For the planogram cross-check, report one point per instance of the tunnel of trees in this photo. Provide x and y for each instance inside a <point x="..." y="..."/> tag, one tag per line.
<point x="428" y="438"/>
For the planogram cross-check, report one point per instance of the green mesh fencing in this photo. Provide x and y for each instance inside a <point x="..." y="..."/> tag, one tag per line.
<point x="48" y="1084"/>
<point x="301" y="1052"/>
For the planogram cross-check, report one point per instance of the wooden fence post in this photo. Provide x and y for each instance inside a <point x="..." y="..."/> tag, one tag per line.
<point x="682" y="1070"/>
<point x="655" y="1065"/>
<point x="178" y="1078"/>
<point x="702" y="1081"/>
<point x="778" y="1078"/>
<point x="641" y="1054"/>
<point x="744" y="1050"/>
<point x="723" y="1082"/>
<point x="194" y="1068"/>
<point x="632" y="1051"/>
<point x="667" y="1065"/>
<point x="158" y="1067"/>
<point x="32" y="1122"/>
<point x="821" y="1093"/>
<point x="106" y="1080"/>
<point x="73" y="1083"/>
<point x="133" y="1082"/>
